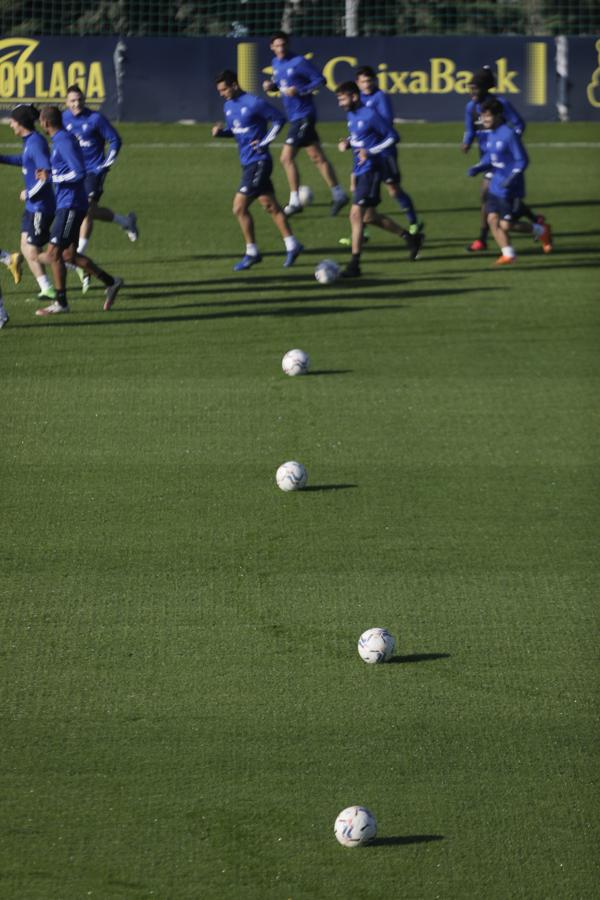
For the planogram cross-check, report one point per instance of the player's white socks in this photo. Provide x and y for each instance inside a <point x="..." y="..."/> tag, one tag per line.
<point x="5" y="257"/>
<point x="251" y="250"/>
<point x="294" y="198"/>
<point x="509" y="251"/>
<point x="83" y="242"/>
<point x="338" y="192"/>
<point x="44" y="281"/>
<point x="123" y="221"/>
<point x="290" y="242"/>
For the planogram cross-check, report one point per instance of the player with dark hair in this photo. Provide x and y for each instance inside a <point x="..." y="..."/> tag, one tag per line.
<point x="68" y="176"/>
<point x="373" y="97"/>
<point x="480" y="86"/>
<point x="370" y="137"/>
<point x="37" y="194"/>
<point x="297" y="79"/>
<point x="506" y="160"/>
<point x="247" y="119"/>
<point x="95" y="134"/>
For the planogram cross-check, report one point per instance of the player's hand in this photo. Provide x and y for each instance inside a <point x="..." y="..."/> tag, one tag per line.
<point x="23" y="196"/>
<point x="216" y="129"/>
<point x="363" y="154"/>
<point x="343" y="144"/>
<point x="465" y="148"/>
<point x="41" y="174"/>
<point x="269" y="86"/>
<point x="289" y="91"/>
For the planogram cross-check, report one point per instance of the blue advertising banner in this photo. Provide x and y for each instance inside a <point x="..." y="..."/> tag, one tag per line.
<point x="168" y="79"/>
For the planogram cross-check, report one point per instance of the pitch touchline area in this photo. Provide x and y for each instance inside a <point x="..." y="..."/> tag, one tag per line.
<point x="438" y="145"/>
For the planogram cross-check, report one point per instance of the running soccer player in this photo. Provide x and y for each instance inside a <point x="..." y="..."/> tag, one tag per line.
<point x="95" y="134"/>
<point x="506" y="159"/>
<point x="37" y="195"/>
<point x="370" y="137"/>
<point x="247" y="120"/>
<point x="372" y="97"/>
<point x="297" y="79"/>
<point x="480" y="87"/>
<point x="68" y="176"/>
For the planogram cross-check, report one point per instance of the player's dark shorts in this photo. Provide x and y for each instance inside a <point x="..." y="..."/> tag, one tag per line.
<point x="302" y="133"/>
<point x="36" y="225"/>
<point x="366" y="188"/>
<point x="388" y="163"/>
<point x="65" y="227"/>
<point x="94" y="184"/>
<point x="506" y="207"/>
<point x="256" y="179"/>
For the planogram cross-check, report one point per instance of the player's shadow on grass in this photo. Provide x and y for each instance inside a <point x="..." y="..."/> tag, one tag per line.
<point x="417" y="657"/>
<point x="328" y="487"/>
<point x="538" y="206"/>
<point x="400" y="840"/>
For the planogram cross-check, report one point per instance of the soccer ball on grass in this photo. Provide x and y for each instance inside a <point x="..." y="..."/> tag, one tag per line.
<point x="327" y="271"/>
<point x="291" y="476"/>
<point x="354" y="826"/>
<point x="305" y="194"/>
<point x="376" y="645"/>
<point x="295" y="362"/>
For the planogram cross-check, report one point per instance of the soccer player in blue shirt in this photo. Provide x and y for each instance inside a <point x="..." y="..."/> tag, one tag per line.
<point x="370" y="137"/>
<point x="37" y="194"/>
<point x="100" y="144"/>
<point x="505" y="158"/>
<point x="68" y="177"/>
<point x="247" y="119"/>
<point x="373" y="97"/>
<point x="297" y="79"/>
<point x="482" y="83"/>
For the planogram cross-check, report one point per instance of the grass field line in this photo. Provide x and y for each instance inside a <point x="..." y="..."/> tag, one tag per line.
<point x="410" y="145"/>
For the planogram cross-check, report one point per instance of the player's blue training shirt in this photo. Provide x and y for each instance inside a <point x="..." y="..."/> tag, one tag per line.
<point x="368" y="131"/>
<point x="297" y="72"/>
<point x="505" y="156"/>
<point x="474" y="126"/>
<point x="35" y="155"/>
<point x="94" y="132"/>
<point x="381" y="103"/>
<point x="247" y="119"/>
<point x="68" y="172"/>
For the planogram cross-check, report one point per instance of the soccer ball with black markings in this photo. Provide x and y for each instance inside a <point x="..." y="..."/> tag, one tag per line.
<point x="327" y="271"/>
<point x="291" y="476"/>
<point x="295" y="362"/>
<point x="355" y="825"/>
<point x="376" y="645"/>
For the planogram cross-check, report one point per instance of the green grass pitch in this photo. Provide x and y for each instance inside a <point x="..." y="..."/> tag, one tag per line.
<point x="183" y="709"/>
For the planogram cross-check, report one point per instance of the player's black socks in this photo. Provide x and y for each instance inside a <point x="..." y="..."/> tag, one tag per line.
<point x="483" y="234"/>
<point x="61" y="298"/>
<point x="106" y="279"/>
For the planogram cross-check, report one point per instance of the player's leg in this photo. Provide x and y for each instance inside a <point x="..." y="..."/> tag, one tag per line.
<point x="14" y="264"/>
<point x="414" y="242"/>
<point x="480" y="243"/>
<point x="241" y="210"/>
<point x="288" y="161"/>
<point x="391" y="177"/>
<point x="52" y="257"/>
<point x="4" y="317"/>
<point x="541" y="230"/>
<point x="112" y="283"/>
<point x="35" y="234"/>
<point x="356" y="216"/>
<point x="315" y="153"/>
<point x="499" y="222"/>
<point x="293" y="247"/>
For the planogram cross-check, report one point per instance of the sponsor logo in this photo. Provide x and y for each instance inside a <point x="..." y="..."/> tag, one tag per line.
<point x="25" y="79"/>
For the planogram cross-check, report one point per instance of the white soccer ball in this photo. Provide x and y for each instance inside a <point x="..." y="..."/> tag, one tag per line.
<point x="291" y="476"/>
<point x="305" y="194"/>
<point x="376" y="645"/>
<point x="354" y="826"/>
<point x="295" y="362"/>
<point x="327" y="271"/>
